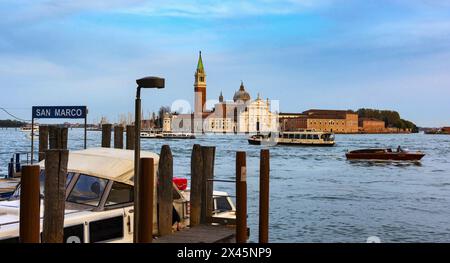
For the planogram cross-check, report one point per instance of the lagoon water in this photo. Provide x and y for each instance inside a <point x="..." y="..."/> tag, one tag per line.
<point x="316" y="194"/>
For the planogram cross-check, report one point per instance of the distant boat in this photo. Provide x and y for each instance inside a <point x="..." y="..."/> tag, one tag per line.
<point x="27" y="128"/>
<point x="166" y="135"/>
<point x="384" y="154"/>
<point x="301" y="138"/>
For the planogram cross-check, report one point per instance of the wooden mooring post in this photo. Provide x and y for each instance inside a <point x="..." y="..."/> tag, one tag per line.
<point x="264" y="170"/>
<point x="55" y="193"/>
<point x="57" y="137"/>
<point x="208" y="156"/>
<point x="146" y="191"/>
<point x="106" y="135"/>
<point x="118" y="137"/>
<point x="165" y="191"/>
<point x="29" y="224"/>
<point x="43" y="141"/>
<point x="241" y="198"/>
<point x="196" y="185"/>
<point x="130" y="137"/>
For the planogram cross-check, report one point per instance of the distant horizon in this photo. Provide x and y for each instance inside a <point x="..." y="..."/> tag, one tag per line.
<point x="324" y="54"/>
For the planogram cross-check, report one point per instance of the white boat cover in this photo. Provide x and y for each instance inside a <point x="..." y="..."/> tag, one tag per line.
<point x="107" y="163"/>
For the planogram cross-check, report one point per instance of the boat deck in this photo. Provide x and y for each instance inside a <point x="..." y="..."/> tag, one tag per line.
<point x="8" y="186"/>
<point x="201" y="234"/>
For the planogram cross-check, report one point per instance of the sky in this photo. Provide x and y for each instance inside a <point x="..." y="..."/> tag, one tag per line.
<point x="328" y="54"/>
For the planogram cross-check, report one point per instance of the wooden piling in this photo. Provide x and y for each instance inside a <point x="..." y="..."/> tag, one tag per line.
<point x="130" y="137"/>
<point x="106" y="135"/>
<point x="29" y="224"/>
<point x="208" y="154"/>
<point x="146" y="190"/>
<point x="55" y="193"/>
<point x="264" y="170"/>
<point x="165" y="191"/>
<point x="43" y="141"/>
<point x="241" y="198"/>
<point x="196" y="185"/>
<point x="118" y="137"/>
<point x="57" y="137"/>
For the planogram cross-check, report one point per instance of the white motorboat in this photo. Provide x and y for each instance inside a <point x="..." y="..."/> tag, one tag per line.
<point x="28" y="128"/>
<point x="99" y="199"/>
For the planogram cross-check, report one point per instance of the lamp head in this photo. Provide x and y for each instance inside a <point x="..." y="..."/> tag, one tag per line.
<point x="151" y="82"/>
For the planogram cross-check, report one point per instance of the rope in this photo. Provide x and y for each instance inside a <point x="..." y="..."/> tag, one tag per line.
<point x="15" y="117"/>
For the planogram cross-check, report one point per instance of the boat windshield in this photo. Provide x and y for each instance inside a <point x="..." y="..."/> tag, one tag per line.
<point x="16" y="193"/>
<point x="88" y="190"/>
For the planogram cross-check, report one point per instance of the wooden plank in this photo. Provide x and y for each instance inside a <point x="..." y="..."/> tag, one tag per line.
<point x="201" y="234"/>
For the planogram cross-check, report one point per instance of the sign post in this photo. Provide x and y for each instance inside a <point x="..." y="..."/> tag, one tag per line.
<point x="58" y="112"/>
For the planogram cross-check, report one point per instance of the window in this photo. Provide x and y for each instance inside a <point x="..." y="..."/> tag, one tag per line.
<point x="16" y="193"/>
<point x="42" y="180"/>
<point x="315" y="137"/>
<point x="106" y="229"/>
<point x="88" y="190"/>
<point x="309" y="137"/>
<point x="297" y="136"/>
<point x="303" y="136"/>
<point x="222" y="204"/>
<point x="120" y="194"/>
<point x="285" y="136"/>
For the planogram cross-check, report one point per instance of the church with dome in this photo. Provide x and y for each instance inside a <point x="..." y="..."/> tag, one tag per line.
<point x="240" y="115"/>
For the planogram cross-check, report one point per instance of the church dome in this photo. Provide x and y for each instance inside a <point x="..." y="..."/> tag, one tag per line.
<point x="241" y="94"/>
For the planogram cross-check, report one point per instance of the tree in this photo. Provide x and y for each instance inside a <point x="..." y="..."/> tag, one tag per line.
<point x="390" y="118"/>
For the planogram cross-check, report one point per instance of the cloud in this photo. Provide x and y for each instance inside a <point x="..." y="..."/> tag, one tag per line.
<point x="21" y="11"/>
<point x="225" y="8"/>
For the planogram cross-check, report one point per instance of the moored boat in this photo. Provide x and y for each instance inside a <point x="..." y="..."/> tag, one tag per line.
<point x="99" y="201"/>
<point x="302" y="138"/>
<point x="384" y="155"/>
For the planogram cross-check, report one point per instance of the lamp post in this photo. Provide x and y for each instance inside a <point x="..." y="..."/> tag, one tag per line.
<point x="147" y="82"/>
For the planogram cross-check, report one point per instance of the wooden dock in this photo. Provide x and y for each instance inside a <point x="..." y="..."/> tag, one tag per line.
<point x="202" y="234"/>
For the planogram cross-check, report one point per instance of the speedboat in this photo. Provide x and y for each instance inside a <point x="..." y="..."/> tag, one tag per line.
<point x="385" y="154"/>
<point x="302" y="138"/>
<point x="99" y="199"/>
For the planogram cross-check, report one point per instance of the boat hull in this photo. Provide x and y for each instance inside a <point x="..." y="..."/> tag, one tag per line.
<point x="385" y="156"/>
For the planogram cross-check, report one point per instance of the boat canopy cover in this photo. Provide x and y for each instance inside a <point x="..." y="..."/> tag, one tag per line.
<point x="108" y="163"/>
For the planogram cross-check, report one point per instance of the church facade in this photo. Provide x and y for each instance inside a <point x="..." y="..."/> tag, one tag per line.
<point x="240" y="115"/>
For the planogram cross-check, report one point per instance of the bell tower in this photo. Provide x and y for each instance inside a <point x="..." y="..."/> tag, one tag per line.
<point x="199" y="87"/>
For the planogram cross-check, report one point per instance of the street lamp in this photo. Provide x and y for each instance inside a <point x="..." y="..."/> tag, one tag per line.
<point x="147" y="82"/>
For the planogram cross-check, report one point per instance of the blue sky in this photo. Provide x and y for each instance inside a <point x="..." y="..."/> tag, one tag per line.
<point x="333" y="54"/>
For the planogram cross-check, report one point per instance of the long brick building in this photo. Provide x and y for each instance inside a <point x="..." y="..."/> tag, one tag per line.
<point x="337" y="121"/>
